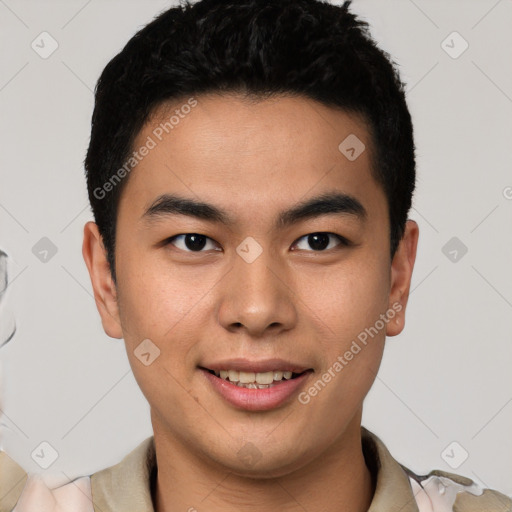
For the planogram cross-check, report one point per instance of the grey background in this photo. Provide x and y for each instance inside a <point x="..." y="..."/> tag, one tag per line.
<point x="445" y="379"/>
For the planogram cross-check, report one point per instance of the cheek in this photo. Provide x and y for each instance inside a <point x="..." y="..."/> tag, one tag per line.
<point x="150" y="294"/>
<point x="155" y="306"/>
<point x="345" y="299"/>
<point x="346" y="312"/>
<point x="345" y="304"/>
<point x="164" y="303"/>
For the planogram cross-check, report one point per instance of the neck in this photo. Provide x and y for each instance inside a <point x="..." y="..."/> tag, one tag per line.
<point x="334" y="481"/>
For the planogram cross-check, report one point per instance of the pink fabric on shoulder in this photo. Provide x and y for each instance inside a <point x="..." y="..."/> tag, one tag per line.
<point x="75" y="496"/>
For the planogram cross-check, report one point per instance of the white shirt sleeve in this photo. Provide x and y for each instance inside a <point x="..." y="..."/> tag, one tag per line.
<point x="438" y="493"/>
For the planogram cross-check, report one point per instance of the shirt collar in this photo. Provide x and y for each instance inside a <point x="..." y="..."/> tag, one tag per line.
<point x="127" y="485"/>
<point x="393" y="491"/>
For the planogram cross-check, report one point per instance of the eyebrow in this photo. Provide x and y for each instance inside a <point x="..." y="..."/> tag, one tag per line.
<point x="325" y="204"/>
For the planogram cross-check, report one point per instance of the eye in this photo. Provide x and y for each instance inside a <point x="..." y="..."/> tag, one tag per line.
<point x="320" y="241"/>
<point x="190" y="242"/>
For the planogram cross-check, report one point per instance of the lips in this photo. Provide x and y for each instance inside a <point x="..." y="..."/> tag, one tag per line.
<point x="255" y="385"/>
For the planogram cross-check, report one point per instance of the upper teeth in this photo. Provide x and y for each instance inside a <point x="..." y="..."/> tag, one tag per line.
<point x="258" y="378"/>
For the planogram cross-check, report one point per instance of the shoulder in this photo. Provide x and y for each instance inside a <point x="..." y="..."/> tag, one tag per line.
<point x="31" y="493"/>
<point x="441" y="491"/>
<point x="400" y="489"/>
<point x="12" y="480"/>
<point x="127" y="485"/>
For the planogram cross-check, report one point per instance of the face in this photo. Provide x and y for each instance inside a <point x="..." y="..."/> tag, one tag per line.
<point x="276" y="260"/>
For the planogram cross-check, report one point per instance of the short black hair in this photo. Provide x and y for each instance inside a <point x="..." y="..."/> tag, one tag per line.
<point x="260" y="48"/>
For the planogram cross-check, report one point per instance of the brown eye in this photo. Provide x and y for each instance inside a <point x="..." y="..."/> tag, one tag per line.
<point x="191" y="242"/>
<point x="320" y="242"/>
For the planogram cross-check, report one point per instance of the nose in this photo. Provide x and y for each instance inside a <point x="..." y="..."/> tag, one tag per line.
<point x="257" y="298"/>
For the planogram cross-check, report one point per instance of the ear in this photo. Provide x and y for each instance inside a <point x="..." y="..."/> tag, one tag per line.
<point x="105" y="293"/>
<point x="401" y="273"/>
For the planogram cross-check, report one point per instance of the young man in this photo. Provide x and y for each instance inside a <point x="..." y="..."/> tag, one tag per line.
<point x="228" y="140"/>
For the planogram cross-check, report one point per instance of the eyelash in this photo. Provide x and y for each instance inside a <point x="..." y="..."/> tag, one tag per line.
<point x="344" y="242"/>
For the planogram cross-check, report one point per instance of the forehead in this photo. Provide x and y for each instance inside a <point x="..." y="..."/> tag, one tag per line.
<point x="245" y="153"/>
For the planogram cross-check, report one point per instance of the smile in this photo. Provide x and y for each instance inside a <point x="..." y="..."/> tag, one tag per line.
<point x="255" y="391"/>
<point x="255" y="380"/>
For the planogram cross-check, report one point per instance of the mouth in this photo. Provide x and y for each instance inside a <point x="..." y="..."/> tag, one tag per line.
<point x="255" y="380"/>
<point x="256" y="390"/>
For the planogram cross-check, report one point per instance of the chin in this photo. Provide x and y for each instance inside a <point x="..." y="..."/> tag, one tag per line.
<point x="264" y="469"/>
<point x="263" y="460"/>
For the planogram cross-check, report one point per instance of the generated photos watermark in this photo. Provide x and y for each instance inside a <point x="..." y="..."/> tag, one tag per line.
<point x="151" y="142"/>
<point x="343" y="360"/>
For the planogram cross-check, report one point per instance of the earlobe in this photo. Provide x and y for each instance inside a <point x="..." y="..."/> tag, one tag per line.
<point x="105" y="294"/>
<point x="401" y="274"/>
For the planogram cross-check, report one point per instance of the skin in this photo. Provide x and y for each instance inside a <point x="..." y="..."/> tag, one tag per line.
<point x="253" y="160"/>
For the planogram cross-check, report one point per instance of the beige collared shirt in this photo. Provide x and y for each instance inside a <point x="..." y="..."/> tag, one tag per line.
<point x="126" y="487"/>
